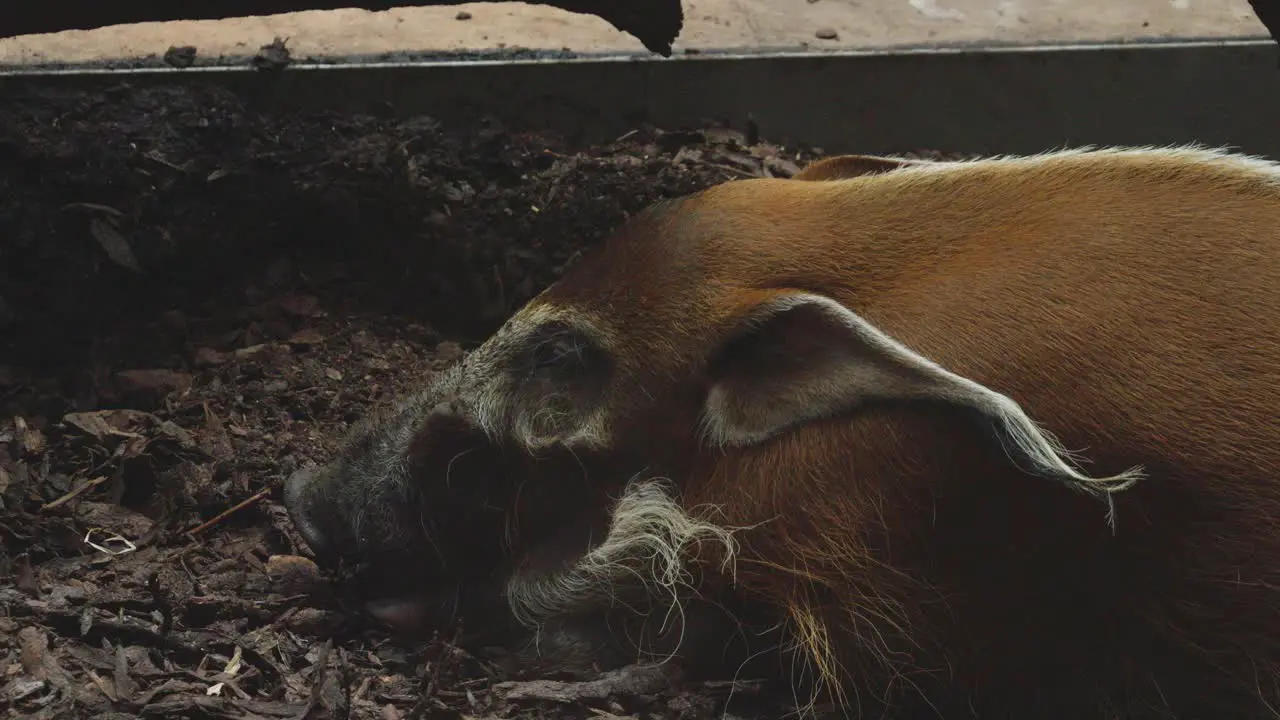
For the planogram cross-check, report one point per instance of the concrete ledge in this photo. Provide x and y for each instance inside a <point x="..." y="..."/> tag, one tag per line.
<point x="709" y="24"/>
<point x="1016" y="99"/>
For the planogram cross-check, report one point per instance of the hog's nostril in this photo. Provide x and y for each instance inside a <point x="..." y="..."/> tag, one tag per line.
<point x="298" y="495"/>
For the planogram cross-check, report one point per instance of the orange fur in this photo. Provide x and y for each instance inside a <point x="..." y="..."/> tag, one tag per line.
<point x="1130" y="301"/>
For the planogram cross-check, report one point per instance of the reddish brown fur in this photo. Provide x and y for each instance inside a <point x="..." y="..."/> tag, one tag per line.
<point x="1131" y="303"/>
<point x="843" y="167"/>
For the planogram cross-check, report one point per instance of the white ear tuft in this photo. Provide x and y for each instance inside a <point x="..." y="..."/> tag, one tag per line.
<point x="802" y="357"/>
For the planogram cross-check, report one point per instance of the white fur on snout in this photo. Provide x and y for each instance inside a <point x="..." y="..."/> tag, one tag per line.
<point x="647" y="550"/>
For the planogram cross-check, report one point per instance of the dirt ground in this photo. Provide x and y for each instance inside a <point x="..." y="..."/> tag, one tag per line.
<point x="195" y="300"/>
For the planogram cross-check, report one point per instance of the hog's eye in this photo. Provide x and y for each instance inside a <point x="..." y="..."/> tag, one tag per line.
<point x="565" y="355"/>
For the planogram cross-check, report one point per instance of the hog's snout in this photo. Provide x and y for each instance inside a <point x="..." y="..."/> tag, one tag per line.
<point x="429" y="518"/>
<point x="299" y="488"/>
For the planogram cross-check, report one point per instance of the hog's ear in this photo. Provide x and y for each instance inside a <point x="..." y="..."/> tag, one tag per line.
<point x="843" y="167"/>
<point x="799" y="357"/>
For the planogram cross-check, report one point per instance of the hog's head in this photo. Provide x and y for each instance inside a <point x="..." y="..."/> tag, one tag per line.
<point x="537" y="474"/>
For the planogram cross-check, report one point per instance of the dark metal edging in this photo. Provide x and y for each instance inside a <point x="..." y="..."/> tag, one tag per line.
<point x="1011" y="99"/>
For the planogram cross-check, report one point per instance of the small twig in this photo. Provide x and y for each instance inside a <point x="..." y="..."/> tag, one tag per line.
<point x="348" y="679"/>
<point x="93" y="206"/>
<point x="162" y="603"/>
<point x="76" y="492"/>
<point x="740" y="172"/>
<point x="448" y="652"/>
<point x="317" y="680"/>
<point x="103" y="686"/>
<point x="363" y="688"/>
<point x="235" y="688"/>
<point x="230" y="511"/>
<point x="195" y="580"/>
<point x="430" y="683"/>
<point x="158" y="158"/>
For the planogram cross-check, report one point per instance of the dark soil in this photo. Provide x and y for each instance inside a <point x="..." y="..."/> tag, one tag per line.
<point x="196" y="299"/>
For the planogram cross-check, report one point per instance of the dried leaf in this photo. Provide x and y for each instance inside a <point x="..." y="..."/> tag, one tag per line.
<point x="154" y="380"/>
<point x="30" y="440"/>
<point x="34" y="644"/>
<point x="104" y="685"/>
<point x="114" y="244"/>
<point x="233" y="665"/>
<point x="125" y="687"/>
<point x="102" y="424"/>
<point x="23" y="688"/>
<point x="306" y="336"/>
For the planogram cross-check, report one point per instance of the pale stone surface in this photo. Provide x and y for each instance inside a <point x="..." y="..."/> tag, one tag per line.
<point x="709" y="24"/>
